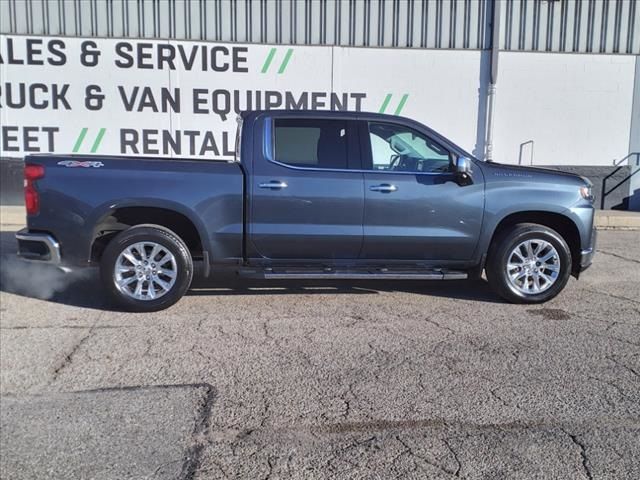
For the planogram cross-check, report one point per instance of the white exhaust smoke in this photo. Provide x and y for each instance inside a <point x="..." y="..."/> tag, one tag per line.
<point x="36" y="280"/>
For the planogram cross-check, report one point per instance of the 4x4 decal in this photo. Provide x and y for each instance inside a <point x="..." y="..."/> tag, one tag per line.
<point x="75" y="163"/>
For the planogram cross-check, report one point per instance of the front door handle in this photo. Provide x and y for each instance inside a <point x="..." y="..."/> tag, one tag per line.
<point x="384" y="188"/>
<point x="273" y="185"/>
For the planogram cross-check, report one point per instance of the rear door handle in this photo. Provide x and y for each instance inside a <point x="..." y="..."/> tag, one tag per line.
<point x="384" y="188"/>
<point x="273" y="185"/>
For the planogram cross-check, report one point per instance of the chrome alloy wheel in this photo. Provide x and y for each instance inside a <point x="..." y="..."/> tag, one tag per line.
<point x="533" y="266"/>
<point x="145" y="271"/>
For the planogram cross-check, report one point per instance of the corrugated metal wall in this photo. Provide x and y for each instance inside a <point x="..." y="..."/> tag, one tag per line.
<point x="601" y="26"/>
<point x="403" y="23"/>
<point x="604" y="26"/>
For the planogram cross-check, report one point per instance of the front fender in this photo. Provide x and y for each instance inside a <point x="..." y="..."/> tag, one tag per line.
<point x="504" y="199"/>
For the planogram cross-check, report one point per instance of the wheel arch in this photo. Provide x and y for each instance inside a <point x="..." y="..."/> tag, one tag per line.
<point x="118" y="217"/>
<point x="562" y="224"/>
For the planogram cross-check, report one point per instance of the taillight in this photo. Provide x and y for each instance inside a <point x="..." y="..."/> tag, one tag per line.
<point x="32" y="172"/>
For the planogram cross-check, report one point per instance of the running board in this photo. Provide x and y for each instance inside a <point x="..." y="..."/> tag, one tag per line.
<point x="359" y="275"/>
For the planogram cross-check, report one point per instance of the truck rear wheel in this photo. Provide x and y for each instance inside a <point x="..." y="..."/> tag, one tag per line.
<point x="530" y="263"/>
<point x="146" y="268"/>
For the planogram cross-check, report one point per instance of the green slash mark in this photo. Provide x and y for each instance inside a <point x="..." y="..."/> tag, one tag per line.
<point x="79" y="140"/>
<point x="385" y="103"/>
<point x="285" y="62"/>
<point x="268" y="60"/>
<point x="98" y="140"/>
<point x="403" y="100"/>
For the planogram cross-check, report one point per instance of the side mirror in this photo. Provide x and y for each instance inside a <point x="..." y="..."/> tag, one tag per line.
<point x="463" y="171"/>
<point x="463" y="165"/>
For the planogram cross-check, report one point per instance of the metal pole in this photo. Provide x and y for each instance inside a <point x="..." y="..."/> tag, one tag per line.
<point x="491" y="100"/>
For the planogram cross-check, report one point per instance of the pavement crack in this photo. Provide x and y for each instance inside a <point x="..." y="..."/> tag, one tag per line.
<point x="502" y="400"/>
<point x="441" y="327"/>
<point x="623" y="365"/>
<point x="347" y="408"/>
<point x="456" y="473"/>
<point x="69" y="358"/>
<point x="347" y="401"/>
<point x="65" y="327"/>
<point x="615" y="339"/>
<point x="612" y="385"/>
<point x="404" y="452"/>
<point x="270" y="464"/>
<point x="269" y="338"/>
<point x="201" y="429"/>
<point x="426" y="460"/>
<point x="583" y="454"/>
<point x="201" y="322"/>
<point x="611" y="295"/>
<point x="354" y="320"/>
<point x="165" y="464"/>
<point x="217" y="466"/>
<point x="618" y="256"/>
<point x="265" y="410"/>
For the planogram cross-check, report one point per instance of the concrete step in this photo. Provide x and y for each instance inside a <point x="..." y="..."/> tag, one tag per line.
<point x="617" y="220"/>
<point x="12" y="216"/>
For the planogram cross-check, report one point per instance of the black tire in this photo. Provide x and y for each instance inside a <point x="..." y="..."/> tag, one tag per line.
<point x="500" y="251"/>
<point x="147" y="233"/>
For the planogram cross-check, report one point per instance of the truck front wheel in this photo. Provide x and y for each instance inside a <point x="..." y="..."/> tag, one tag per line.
<point x="529" y="263"/>
<point x="146" y="268"/>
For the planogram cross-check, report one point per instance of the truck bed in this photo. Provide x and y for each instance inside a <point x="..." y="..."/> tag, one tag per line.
<point x="78" y="193"/>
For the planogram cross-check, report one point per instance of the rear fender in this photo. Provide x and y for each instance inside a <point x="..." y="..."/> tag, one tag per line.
<point x="100" y="213"/>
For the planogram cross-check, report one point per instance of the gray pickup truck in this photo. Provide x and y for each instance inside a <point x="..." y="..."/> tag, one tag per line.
<point x="310" y="195"/>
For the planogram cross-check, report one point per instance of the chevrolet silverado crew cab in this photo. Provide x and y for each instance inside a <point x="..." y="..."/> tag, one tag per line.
<point x="310" y="195"/>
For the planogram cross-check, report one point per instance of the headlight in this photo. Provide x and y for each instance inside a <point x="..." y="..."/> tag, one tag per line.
<point x="586" y="193"/>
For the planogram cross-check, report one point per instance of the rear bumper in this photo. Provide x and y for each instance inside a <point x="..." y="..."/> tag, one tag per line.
<point x="38" y="247"/>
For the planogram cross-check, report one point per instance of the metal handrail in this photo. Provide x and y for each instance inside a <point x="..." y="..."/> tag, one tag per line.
<point x="530" y="156"/>
<point x="617" y="169"/>
<point x="636" y="154"/>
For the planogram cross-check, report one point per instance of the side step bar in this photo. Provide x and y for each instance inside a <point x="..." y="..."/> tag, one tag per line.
<point x="361" y="275"/>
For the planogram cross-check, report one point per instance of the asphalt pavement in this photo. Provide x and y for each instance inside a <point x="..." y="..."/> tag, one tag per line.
<point x="322" y="380"/>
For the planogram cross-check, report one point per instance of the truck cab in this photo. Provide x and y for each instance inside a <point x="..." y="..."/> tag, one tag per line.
<point x="375" y="190"/>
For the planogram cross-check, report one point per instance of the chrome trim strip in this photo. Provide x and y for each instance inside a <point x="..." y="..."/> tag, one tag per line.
<point x="51" y="243"/>
<point x="273" y="185"/>
<point x="384" y="188"/>
<point x="455" y="276"/>
<point x="268" y="148"/>
<point x="345" y="170"/>
<point x="368" y="276"/>
<point x="355" y="276"/>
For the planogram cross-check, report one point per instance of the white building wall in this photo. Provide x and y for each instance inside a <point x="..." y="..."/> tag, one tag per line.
<point x="575" y="107"/>
<point x="442" y="87"/>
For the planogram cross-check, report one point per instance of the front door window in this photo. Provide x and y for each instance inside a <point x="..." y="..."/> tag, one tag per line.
<point x="396" y="148"/>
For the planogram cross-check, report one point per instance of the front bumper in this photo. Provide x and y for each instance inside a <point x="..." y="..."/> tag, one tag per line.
<point x="586" y="257"/>
<point x="38" y="247"/>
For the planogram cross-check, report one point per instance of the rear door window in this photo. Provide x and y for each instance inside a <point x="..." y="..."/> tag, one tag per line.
<point x="311" y="143"/>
